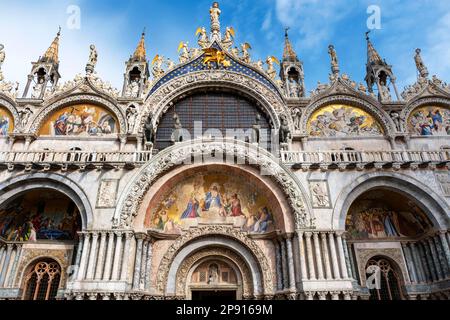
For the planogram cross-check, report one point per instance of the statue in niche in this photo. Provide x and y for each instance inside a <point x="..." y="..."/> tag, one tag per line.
<point x="297" y="116"/>
<point x="396" y="119"/>
<point x="148" y="130"/>
<point x="131" y="118"/>
<point x="38" y="88"/>
<point x="285" y="132"/>
<point x="294" y="88"/>
<point x="25" y="117"/>
<point x="177" y="126"/>
<point x="213" y="274"/>
<point x="385" y="93"/>
<point x="256" y="130"/>
<point x="133" y="89"/>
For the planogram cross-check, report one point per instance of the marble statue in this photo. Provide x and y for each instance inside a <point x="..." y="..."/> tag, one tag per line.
<point x="133" y="89"/>
<point x="320" y="196"/>
<point x="245" y="53"/>
<point x="177" y="126"/>
<point x="215" y="12"/>
<point x="184" y="52"/>
<point x="271" y="71"/>
<point x="170" y="64"/>
<point x="149" y="130"/>
<point x="297" y="116"/>
<point x="131" y="118"/>
<point x="202" y="37"/>
<point x="334" y="59"/>
<point x="229" y="37"/>
<point x="385" y="93"/>
<point x="157" y="64"/>
<point x="423" y="71"/>
<point x="396" y="119"/>
<point x="25" y="117"/>
<point x="38" y="89"/>
<point x="256" y="130"/>
<point x="93" y="58"/>
<point x="285" y="132"/>
<point x="294" y="88"/>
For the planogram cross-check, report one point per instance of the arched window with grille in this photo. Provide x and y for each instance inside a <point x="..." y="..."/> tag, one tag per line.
<point x="389" y="285"/>
<point x="42" y="281"/>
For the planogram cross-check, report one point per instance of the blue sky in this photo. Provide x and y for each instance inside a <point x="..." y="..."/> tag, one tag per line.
<point x="28" y="27"/>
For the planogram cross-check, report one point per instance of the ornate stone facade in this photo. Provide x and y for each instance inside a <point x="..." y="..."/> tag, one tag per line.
<point x="324" y="206"/>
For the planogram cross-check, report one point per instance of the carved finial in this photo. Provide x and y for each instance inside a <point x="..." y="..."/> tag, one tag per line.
<point x="52" y="53"/>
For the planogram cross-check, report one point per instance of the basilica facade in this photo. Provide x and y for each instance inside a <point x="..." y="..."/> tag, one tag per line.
<point x="218" y="176"/>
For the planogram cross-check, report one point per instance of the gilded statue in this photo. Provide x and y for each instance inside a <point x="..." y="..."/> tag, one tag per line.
<point x="215" y="12"/>
<point x="213" y="55"/>
<point x="184" y="52"/>
<point x="270" y="68"/>
<point x="157" y="64"/>
<point x="202" y="37"/>
<point x="229" y="37"/>
<point x="245" y="54"/>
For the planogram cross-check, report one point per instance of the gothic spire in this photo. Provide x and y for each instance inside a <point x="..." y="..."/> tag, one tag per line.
<point x="372" y="55"/>
<point x="140" y="53"/>
<point x="52" y="53"/>
<point x="288" y="52"/>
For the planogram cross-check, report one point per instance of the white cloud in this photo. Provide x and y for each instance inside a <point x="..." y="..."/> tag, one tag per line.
<point x="30" y="27"/>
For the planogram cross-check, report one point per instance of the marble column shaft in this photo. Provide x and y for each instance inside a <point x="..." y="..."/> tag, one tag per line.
<point x="343" y="264"/>
<point x="143" y="263"/>
<point x="309" y="252"/>
<point x="440" y="256"/>
<point x="422" y="256"/>
<point x="126" y="256"/>
<point x="326" y="256"/>
<point x="92" y="257"/>
<point x="318" y="256"/>
<point x="409" y="263"/>
<point x="84" y="256"/>
<point x="437" y="263"/>
<point x="108" y="261"/>
<point x="418" y="263"/>
<point x="334" y="259"/>
<point x="117" y="257"/>
<point x="12" y="275"/>
<point x="101" y="257"/>
<point x="278" y="266"/>
<point x="428" y="259"/>
<point x="446" y="249"/>
<point x="148" y="267"/>
<point x="6" y="263"/>
<point x="284" y="265"/>
<point x="301" y="248"/>
<point x="137" y="263"/>
<point x="290" y="255"/>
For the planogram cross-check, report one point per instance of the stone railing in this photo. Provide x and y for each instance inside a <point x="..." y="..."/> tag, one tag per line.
<point x="361" y="159"/>
<point x="47" y="159"/>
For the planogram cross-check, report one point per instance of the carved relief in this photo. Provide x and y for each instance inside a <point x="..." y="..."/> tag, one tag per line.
<point x="320" y="194"/>
<point x="227" y="231"/>
<point x="443" y="179"/>
<point x="107" y="191"/>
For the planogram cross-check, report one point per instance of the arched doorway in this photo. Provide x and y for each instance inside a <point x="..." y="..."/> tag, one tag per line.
<point x="388" y="280"/>
<point x="42" y="280"/>
<point x="215" y="279"/>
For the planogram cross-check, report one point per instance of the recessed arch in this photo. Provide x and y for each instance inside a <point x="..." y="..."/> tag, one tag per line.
<point x="375" y="111"/>
<point x="11" y="109"/>
<point x="413" y="106"/>
<point x="79" y="99"/>
<point x="432" y="204"/>
<point x="13" y="187"/>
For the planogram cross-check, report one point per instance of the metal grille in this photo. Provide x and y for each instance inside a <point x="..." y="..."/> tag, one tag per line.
<point x="220" y="111"/>
<point x="42" y="282"/>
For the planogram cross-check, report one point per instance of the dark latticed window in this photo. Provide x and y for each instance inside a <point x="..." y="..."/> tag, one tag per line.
<point x="215" y="110"/>
<point x="390" y="288"/>
<point x="42" y="282"/>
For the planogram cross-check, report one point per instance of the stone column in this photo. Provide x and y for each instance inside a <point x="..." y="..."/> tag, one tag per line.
<point x="284" y="263"/>
<point x="326" y="261"/>
<point x="312" y="271"/>
<point x="290" y="255"/>
<point x="428" y="258"/>
<point x="441" y="256"/>
<point x="318" y="256"/>
<point x="418" y="263"/>
<point x="344" y="270"/>
<point x="425" y="266"/>
<point x="92" y="257"/>
<point x="117" y="257"/>
<point x="148" y="267"/>
<point x="143" y="263"/>
<point x="334" y="259"/>
<point x="108" y="262"/>
<point x="14" y="266"/>
<point x="79" y="247"/>
<point x="410" y="263"/>
<point x="278" y="266"/>
<point x="5" y="265"/>
<point x="348" y="259"/>
<point x="2" y="256"/>
<point x="301" y="248"/>
<point x="434" y="254"/>
<point x="446" y="249"/>
<point x="101" y="257"/>
<point x="84" y="257"/>
<point x="137" y="263"/>
<point x="126" y="256"/>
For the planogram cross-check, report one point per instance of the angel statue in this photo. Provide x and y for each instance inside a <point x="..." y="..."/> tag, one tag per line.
<point x="2" y="59"/>
<point x="157" y="69"/>
<point x="245" y="54"/>
<point x="202" y="37"/>
<point x="229" y="37"/>
<point x="270" y="68"/>
<point x="259" y="64"/>
<point x="235" y="51"/>
<point x="184" y="55"/>
<point x="170" y="64"/>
